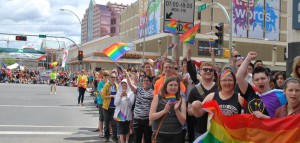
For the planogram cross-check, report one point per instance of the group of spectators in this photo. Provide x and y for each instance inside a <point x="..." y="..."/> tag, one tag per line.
<point x="18" y="76"/>
<point x="137" y="101"/>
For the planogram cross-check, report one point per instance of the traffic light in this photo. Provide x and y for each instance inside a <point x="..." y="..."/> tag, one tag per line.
<point x="80" y="56"/>
<point x="21" y="38"/>
<point x="220" y="33"/>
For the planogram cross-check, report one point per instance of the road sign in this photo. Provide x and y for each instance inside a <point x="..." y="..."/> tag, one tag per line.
<point x="201" y="7"/>
<point x="181" y="10"/>
<point x="42" y="36"/>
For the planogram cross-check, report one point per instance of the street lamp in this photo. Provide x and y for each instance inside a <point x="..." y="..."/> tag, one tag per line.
<point x="146" y="20"/>
<point x="78" y="20"/>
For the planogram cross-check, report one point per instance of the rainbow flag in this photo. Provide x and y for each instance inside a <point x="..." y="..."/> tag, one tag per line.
<point x="171" y="45"/>
<point x="246" y="128"/>
<point x="121" y="117"/>
<point x="211" y="41"/>
<point x="3" y="64"/>
<point x="170" y="97"/>
<point x="189" y="36"/>
<point x="116" y="50"/>
<point x="171" y="27"/>
<point x="186" y="27"/>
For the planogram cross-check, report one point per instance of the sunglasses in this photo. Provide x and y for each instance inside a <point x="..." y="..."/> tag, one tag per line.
<point x="237" y="56"/>
<point x="106" y="75"/>
<point x="176" y="68"/>
<point x="240" y="58"/>
<point x="112" y="77"/>
<point x="208" y="69"/>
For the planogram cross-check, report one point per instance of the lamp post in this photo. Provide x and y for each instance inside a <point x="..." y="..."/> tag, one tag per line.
<point x="78" y="20"/>
<point x="80" y="28"/>
<point x="144" y="31"/>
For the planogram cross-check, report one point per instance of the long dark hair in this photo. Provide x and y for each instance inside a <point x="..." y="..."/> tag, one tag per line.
<point x="164" y="88"/>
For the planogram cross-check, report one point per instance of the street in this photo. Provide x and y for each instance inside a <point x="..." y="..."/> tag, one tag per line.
<point x="29" y="114"/>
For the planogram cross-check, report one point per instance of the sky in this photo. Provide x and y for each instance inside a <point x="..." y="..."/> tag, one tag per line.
<point x="43" y="17"/>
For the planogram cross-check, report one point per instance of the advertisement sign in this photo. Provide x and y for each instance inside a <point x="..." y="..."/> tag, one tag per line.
<point x="22" y="56"/>
<point x="181" y="10"/>
<point x="272" y="19"/>
<point x="256" y="19"/>
<point x="239" y="18"/>
<point x="149" y="18"/>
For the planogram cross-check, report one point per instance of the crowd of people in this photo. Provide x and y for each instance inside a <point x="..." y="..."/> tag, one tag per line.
<point x="162" y="101"/>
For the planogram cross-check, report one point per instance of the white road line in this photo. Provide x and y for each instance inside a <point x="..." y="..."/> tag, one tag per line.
<point x="29" y="106"/>
<point x="35" y="126"/>
<point x="34" y="133"/>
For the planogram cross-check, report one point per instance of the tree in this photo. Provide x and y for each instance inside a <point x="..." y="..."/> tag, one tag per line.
<point x="9" y="61"/>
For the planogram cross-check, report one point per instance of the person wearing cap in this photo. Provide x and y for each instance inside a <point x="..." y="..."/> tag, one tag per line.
<point x="53" y="76"/>
<point x="82" y="84"/>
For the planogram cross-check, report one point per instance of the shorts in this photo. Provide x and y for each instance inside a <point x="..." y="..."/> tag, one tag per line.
<point x="52" y="81"/>
<point x="101" y="117"/>
<point x="123" y="127"/>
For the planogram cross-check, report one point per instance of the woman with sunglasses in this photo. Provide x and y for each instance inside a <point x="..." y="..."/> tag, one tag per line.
<point x="100" y="101"/>
<point x="229" y="101"/>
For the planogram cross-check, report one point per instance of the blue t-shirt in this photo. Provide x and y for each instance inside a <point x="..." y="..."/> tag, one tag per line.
<point x="99" y="88"/>
<point x="91" y="78"/>
<point x="113" y="91"/>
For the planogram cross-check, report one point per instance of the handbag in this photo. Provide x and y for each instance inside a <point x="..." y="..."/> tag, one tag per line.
<point x="156" y="133"/>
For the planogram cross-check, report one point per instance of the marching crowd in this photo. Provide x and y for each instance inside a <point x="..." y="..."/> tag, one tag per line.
<point x="161" y="102"/>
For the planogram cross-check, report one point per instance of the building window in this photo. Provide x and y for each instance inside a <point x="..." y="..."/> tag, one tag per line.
<point x="113" y="21"/>
<point x="113" y="30"/>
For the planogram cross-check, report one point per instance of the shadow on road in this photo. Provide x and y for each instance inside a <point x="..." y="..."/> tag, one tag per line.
<point x="85" y="135"/>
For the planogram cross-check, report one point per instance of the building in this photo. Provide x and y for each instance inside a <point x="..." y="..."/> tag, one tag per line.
<point x="101" y="20"/>
<point x="143" y="18"/>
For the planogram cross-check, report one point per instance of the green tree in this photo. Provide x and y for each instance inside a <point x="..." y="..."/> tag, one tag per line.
<point x="9" y="61"/>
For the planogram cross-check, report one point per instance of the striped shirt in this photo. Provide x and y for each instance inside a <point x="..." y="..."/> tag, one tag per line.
<point x="143" y="103"/>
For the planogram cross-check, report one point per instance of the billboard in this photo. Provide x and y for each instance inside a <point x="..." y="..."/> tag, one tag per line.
<point x="239" y="18"/>
<point x="256" y="19"/>
<point x="262" y="19"/>
<point x="272" y="19"/>
<point x="149" y="18"/>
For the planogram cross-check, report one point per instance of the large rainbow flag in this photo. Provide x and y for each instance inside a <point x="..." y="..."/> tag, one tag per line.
<point x="116" y="50"/>
<point x="189" y="36"/>
<point x="246" y="128"/>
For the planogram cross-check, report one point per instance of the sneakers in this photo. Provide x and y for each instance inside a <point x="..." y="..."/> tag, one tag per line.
<point x="108" y="140"/>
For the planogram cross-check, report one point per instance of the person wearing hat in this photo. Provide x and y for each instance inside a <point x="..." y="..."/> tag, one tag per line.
<point x="82" y="84"/>
<point x="53" y="76"/>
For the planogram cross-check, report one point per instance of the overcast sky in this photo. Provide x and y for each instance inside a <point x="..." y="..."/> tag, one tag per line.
<point x="43" y="17"/>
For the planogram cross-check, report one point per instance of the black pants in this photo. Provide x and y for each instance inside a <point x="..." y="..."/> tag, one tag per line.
<point x="81" y="94"/>
<point x="190" y="120"/>
<point x="108" y="117"/>
<point x="168" y="138"/>
<point x="141" y="127"/>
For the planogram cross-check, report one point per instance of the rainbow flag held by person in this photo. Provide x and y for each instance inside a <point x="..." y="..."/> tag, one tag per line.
<point x="186" y="26"/>
<point x="170" y="98"/>
<point x="189" y="36"/>
<point x="116" y="50"/>
<point x="246" y="128"/>
<point x="211" y="41"/>
<point x="121" y="117"/>
<point x="3" y="64"/>
<point x="171" y="27"/>
<point x="171" y="45"/>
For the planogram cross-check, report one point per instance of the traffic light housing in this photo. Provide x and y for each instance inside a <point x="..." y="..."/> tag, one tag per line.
<point x="80" y="56"/>
<point x="220" y="33"/>
<point x="21" y="38"/>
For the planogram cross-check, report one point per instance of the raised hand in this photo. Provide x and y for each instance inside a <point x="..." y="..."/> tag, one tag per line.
<point x="251" y="55"/>
<point x="188" y="53"/>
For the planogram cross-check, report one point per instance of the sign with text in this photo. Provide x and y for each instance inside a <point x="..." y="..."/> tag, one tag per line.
<point x="181" y="10"/>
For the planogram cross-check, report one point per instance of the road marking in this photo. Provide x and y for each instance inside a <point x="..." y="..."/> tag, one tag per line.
<point x="34" y="133"/>
<point x="29" y="106"/>
<point x="35" y="126"/>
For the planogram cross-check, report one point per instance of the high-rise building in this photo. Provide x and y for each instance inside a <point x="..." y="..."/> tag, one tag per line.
<point x="101" y="20"/>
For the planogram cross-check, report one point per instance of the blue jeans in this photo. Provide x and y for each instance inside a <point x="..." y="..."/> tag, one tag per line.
<point x="108" y="117"/>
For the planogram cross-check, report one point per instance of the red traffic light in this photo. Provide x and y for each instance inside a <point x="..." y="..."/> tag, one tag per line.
<point x="21" y="38"/>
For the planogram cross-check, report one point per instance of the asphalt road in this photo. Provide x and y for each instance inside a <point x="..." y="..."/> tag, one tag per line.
<point x="29" y="114"/>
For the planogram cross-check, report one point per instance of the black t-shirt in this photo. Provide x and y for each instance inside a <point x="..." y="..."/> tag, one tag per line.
<point x="200" y="123"/>
<point x="254" y="103"/>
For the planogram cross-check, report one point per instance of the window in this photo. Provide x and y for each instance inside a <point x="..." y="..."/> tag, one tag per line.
<point x="113" y="30"/>
<point x="113" y="21"/>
